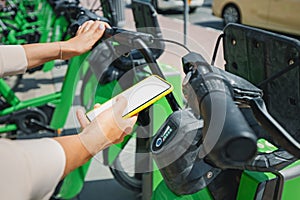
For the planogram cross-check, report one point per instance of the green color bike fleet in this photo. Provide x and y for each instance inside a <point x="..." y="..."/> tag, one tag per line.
<point x="43" y="116"/>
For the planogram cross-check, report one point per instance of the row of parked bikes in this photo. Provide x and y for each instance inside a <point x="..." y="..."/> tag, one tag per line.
<point x="227" y="134"/>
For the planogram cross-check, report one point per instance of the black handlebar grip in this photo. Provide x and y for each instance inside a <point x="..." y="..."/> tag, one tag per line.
<point x="228" y="140"/>
<point x="76" y="24"/>
<point x="108" y="33"/>
<point x="83" y="16"/>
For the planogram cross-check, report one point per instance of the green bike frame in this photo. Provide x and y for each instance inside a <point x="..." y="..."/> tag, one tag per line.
<point x="19" y="27"/>
<point x="250" y="185"/>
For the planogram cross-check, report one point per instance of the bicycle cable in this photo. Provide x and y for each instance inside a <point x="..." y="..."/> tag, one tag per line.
<point x="174" y="42"/>
<point x="92" y="8"/>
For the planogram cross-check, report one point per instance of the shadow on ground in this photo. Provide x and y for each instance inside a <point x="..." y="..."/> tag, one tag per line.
<point x="105" y="189"/>
<point x="219" y="25"/>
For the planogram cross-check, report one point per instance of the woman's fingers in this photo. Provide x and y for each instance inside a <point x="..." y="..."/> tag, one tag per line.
<point x="119" y="107"/>
<point x="92" y="27"/>
<point x="109" y="127"/>
<point x="97" y="105"/>
<point x="84" y="27"/>
<point x="130" y="123"/>
<point x="82" y="118"/>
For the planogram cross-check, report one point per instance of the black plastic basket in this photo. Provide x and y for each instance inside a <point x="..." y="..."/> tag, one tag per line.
<point x="114" y="10"/>
<point x="271" y="62"/>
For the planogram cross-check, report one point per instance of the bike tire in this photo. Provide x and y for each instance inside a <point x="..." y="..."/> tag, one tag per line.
<point x="125" y="174"/>
<point x="129" y="182"/>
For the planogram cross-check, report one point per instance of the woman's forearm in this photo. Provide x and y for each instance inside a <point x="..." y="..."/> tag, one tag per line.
<point x="76" y="153"/>
<point x="89" y="33"/>
<point x="40" y="53"/>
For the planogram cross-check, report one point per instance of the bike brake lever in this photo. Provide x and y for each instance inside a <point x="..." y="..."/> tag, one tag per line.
<point x="245" y="92"/>
<point x="282" y="137"/>
<point x="241" y="87"/>
<point x="258" y="107"/>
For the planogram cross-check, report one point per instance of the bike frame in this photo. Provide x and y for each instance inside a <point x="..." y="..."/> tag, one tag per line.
<point x="62" y="99"/>
<point x="153" y="184"/>
<point x="20" y="30"/>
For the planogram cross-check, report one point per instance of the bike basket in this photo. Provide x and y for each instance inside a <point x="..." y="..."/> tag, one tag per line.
<point x="271" y="62"/>
<point x="114" y="10"/>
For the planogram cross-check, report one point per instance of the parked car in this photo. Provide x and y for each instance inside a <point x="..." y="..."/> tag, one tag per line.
<point x="164" y="5"/>
<point x="277" y="15"/>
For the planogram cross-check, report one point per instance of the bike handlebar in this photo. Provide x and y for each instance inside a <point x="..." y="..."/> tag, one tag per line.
<point x="122" y="36"/>
<point x="237" y="141"/>
<point x="236" y="144"/>
<point x="82" y="16"/>
<point x="217" y="90"/>
<point x="236" y="131"/>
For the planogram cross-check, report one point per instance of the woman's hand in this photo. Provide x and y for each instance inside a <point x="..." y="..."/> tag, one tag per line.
<point x="107" y="128"/>
<point x="87" y="35"/>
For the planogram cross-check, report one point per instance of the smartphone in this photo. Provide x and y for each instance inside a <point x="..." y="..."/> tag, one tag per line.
<point x="139" y="96"/>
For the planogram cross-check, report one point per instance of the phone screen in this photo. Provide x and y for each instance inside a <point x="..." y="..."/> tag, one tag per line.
<point x="139" y="96"/>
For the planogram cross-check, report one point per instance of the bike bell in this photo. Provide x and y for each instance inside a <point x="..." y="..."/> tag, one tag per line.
<point x="175" y="149"/>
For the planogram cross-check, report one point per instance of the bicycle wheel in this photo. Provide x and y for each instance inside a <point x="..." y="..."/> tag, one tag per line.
<point x="123" y="168"/>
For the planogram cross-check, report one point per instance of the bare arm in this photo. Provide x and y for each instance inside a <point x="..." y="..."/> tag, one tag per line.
<point x="76" y="153"/>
